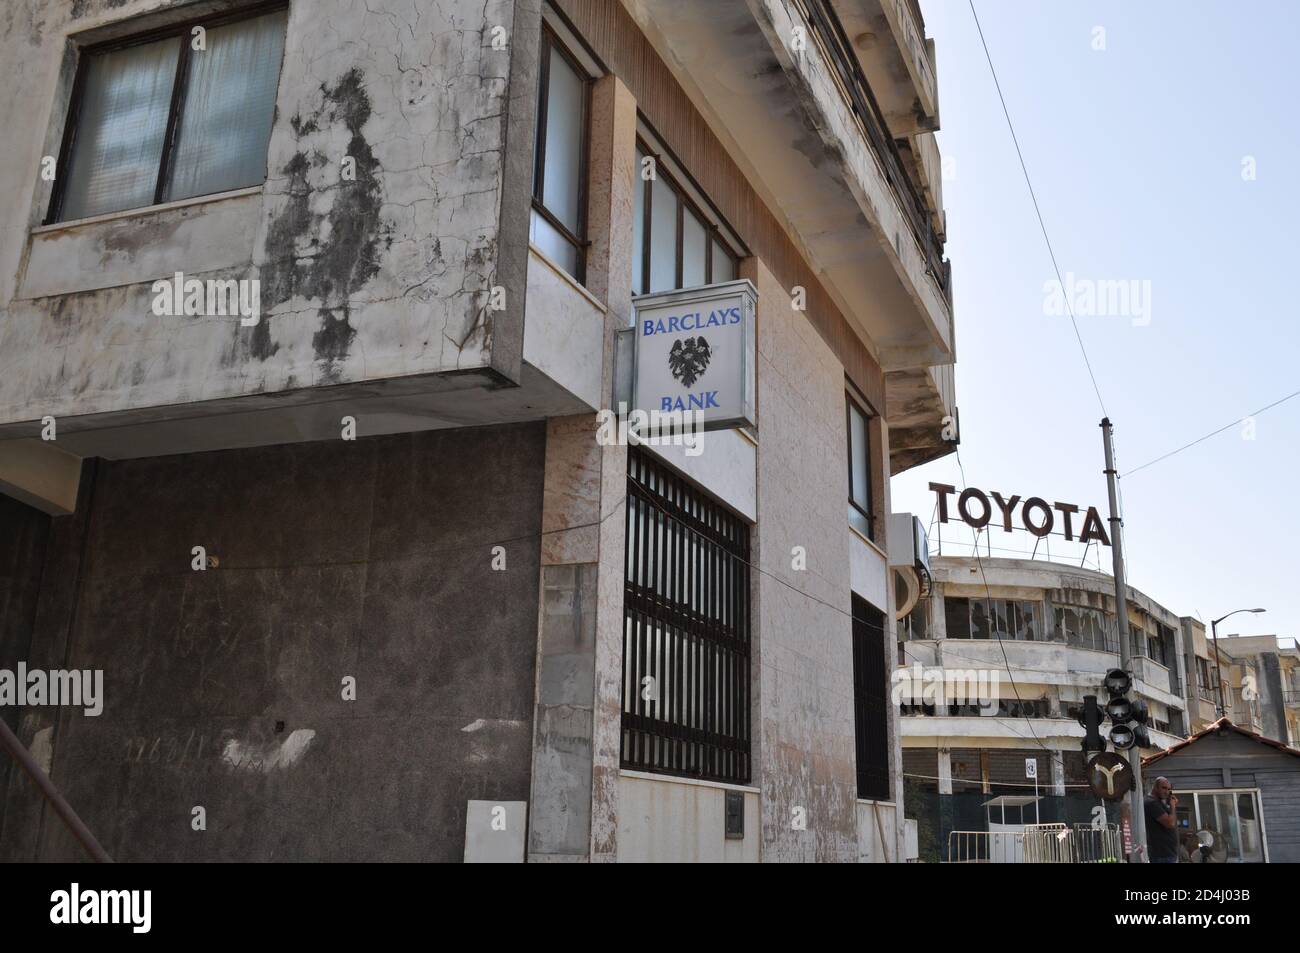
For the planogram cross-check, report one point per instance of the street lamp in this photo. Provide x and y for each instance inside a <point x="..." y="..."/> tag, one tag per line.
<point x="1218" y="675"/>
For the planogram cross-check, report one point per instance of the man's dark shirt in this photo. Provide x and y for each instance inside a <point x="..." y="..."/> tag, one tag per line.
<point x="1162" y="841"/>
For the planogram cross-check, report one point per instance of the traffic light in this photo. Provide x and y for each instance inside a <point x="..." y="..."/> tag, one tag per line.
<point x="1090" y="718"/>
<point x="1140" y="716"/>
<point x="1128" y="719"/>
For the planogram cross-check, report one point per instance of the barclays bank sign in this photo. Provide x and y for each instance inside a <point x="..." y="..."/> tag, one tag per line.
<point x="694" y="354"/>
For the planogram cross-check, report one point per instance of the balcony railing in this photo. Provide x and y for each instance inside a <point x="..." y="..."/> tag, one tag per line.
<point x="1291" y="698"/>
<point x="821" y="16"/>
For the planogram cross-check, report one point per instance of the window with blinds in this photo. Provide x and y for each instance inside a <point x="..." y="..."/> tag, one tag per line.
<point x="155" y="119"/>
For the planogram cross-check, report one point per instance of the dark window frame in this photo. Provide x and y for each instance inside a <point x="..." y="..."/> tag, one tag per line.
<point x="182" y="32"/>
<point x="551" y="43"/>
<point x="851" y="404"/>
<point x="710" y="218"/>
<point x="870" y="701"/>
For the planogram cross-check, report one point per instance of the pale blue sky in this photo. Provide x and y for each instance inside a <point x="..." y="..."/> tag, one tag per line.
<point x="1136" y="156"/>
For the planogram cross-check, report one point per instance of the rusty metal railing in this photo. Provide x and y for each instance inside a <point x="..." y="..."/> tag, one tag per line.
<point x="56" y="800"/>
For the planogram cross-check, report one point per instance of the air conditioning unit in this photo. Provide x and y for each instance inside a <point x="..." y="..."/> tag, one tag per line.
<point x="909" y="561"/>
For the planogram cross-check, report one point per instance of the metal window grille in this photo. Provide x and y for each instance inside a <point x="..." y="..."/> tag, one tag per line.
<point x="871" y="718"/>
<point x="686" y="630"/>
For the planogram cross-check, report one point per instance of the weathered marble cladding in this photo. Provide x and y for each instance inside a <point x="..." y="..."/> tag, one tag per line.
<point x="371" y="559"/>
<point x="804" y="652"/>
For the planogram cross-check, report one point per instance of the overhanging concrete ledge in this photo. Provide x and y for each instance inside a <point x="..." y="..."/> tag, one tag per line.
<point x="39" y="474"/>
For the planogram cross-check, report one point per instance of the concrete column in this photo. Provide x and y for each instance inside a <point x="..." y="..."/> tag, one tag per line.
<point x="560" y="799"/>
<point x="938" y="618"/>
<point x="1187" y="691"/>
<point x="945" y="770"/>
<point x="614" y="179"/>
<point x="574" y="807"/>
<point x="1058" y="772"/>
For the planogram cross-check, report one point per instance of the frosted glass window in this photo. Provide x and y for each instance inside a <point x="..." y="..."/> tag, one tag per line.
<point x="229" y="106"/>
<point x="724" y="266"/>
<point x="685" y="250"/>
<point x="663" y="236"/>
<point x="638" y="229"/>
<point x="559" y="160"/>
<point x="552" y="244"/>
<point x="120" y="129"/>
<point x="561" y="185"/>
<point x="695" y="244"/>
<point x="859" y="471"/>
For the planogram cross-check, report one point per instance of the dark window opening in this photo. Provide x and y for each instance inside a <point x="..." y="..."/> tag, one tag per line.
<point x="993" y="619"/>
<point x="154" y="120"/>
<point x="1086" y="628"/>
<point x="870" y="700"/>
<point x="686" y="696"/>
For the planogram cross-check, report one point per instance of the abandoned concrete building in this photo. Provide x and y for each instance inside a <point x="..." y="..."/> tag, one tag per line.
<point x="309" y="312"/>
<point x="1046" y="634"/>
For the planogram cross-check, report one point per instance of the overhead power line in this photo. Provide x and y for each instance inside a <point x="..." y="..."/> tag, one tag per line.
<point x="1037" y="211"/>
<point x="1213" y="433"/>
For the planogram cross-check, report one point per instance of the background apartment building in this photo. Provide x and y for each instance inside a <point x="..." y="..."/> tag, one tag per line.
<point x="426" y="591"/>
<point x="1262" y="684"/>
<point x="1048" y="632"/>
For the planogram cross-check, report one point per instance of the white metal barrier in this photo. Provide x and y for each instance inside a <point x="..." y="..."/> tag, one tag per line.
<point x="1038" y="844"/>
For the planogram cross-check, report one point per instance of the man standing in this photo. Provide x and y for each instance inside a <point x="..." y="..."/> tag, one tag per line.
<point x="1161" y="811"/>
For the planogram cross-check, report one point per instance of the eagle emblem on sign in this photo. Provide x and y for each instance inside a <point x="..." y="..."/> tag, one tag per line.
<point x="689" y="359"/>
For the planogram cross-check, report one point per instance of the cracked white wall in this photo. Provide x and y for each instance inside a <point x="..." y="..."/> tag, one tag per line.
<point x="378" y="277"/>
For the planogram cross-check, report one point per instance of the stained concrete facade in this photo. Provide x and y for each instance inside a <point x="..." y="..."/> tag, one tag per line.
<point x="226" y="686"/>
<point x="1051" y="673"/>
<point x="410" y="301"/>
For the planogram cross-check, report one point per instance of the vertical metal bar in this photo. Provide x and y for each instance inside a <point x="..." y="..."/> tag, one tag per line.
<point x="679" y="585"/>
<point x="656" y="631"/>
<point x="9" y="741"/>
<point x="697" y="643"/>
<point x="179" y="79"/>
<point x="647" y="513"/>
<point x="629" y="507"/>
<point x="714" y="700"/>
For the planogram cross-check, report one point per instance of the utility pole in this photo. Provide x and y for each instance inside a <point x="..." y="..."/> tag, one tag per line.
<point x="1218" y="666"/>
<point x="1137" y="812"/>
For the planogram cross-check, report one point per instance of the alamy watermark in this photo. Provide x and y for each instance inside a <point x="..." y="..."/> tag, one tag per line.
<point x="1099" y="298"/>
<point x="77" y="689"/>
<point x="934" y="685"/>
<point x="179" y="296"/>
<point x="655" y="428"/>
<point x="133" y="908"/>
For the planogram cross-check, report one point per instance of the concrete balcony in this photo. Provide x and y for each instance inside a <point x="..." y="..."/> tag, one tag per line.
<point x="923" y="422"/>
<point x="888" y="38"/>
<point x="1039" y="665"/>
<point x="921" y="156"/>
<point x="780" y="83"/>
<point x="1152" y="673"/>
<point x="1000" y="731"/>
